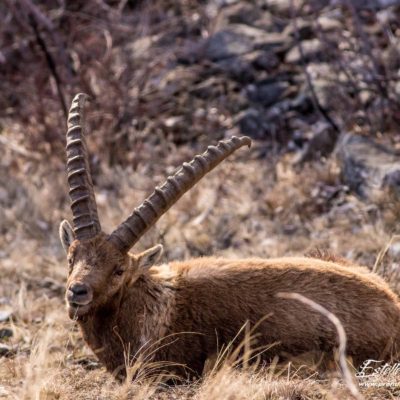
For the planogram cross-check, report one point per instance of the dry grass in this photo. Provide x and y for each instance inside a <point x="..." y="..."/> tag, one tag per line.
<point x="241" y="209"/>
<point x="148" y="118"/>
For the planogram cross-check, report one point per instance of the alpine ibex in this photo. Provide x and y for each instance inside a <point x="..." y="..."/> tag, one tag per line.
<point x="125" y="303"/>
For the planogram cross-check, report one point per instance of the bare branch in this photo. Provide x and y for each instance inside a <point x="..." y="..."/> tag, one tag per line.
<point x="347" y="376"/>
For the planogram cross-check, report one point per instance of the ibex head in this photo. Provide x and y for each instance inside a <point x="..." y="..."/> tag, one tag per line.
<point x="100" y="265"/>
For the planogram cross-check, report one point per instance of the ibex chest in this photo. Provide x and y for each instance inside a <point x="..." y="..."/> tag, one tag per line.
<point x="107" y="340"/>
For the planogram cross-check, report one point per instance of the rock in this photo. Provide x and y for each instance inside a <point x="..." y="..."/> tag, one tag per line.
<point x="312" y="50"/>
<point x="392" y="181"/>
<point x="6" y="350"/>
<point x="252" y="123"/>
<point x="323" y="79"/>
<point x="329" y="23"/>
<point x="391" y="56"/>
<point x="88" y="363"/>
<point x="321" y="143"/>
<point x="239" y="69"/>
<point x="227" y="43"/>
<point x="172" y="122"/>
<point x="386" y="16"/>
<point x="3" y="195"/>
<point x="5" y="300"/>
<point x="269" y="23"/>
<point x="367" y="166"/>
<point x="239" y="13"/>
<point x="208" y="88"/>
<point x="6" y="333"/>
<point x="369" y="4"/>
<point x="284" y="7"/>
<point x="256" y="34"/>
<point x="5" y="314"/>
<point x="304" y="30"/>
<point x="264" y="60"/>
<point x="239" y="39"/>
<point x="267" y="93"/>
<point x="273" y="41"/>
<point x="140" y="48"/>
<point x="244" y="68"/>
<point x="302" y="103"/>
<point x="394" y="250"/>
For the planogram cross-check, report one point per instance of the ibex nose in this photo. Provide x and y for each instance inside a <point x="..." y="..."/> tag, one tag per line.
<point x="79" y="289"/>
<point x="79" y="293"/>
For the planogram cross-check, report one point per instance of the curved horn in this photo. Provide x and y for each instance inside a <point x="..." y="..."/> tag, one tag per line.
<point x="83" y="202"/>
<point x="144" y="216"/>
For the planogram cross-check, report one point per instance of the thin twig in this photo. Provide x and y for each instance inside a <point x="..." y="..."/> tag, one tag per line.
<point x="346" y="374"/>
<point x="383" y="252"/>
<point x="51" y="64"/>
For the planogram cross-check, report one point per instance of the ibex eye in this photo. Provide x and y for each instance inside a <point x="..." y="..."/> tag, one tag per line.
<point x="118" y="271"/>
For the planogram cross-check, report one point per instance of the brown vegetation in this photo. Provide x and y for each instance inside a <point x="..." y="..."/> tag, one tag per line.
<point x="160" y="93"/>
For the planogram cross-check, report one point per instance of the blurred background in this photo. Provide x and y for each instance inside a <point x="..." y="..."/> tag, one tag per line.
<point x="314" y="83"/>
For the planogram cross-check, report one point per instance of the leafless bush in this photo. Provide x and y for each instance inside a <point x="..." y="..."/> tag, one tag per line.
<point x="50" y="52"/>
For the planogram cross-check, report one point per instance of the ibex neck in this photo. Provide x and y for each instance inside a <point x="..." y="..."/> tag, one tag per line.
<point x="154" y="303"/>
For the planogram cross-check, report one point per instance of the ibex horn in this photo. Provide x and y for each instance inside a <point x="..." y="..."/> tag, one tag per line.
<point x="83" y="203"/>
<point x="145" y="216"/>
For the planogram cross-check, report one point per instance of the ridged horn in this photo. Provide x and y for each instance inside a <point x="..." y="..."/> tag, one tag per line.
<point x="83" y="203"/>
<point x="145" y="216"/>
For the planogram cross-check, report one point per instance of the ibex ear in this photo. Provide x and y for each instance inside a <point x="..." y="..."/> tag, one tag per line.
<point x="149" y="257"/>
<point x="67" y="235"/>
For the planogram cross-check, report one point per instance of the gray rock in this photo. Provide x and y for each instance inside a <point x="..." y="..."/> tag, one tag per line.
<point x="329" y="23"/>
<point x="268" y="22"/>
<point x="6" y="350"/>
<point x="321" y="143"/>
<point x="265" y="60"/>
<point x="273" y="41"/>
<point x="252" y="123"/>
<point x="369" y="4"/>
<point x="312" y="50"/>
<point x="367" y="166"/>
<point x="282" y="6"/>
<point x="6" y="333"/>
<point x="238" y="68"/>
<point x="5" y="300"/>
<point x="88" y="363"/>
<point x="302" y="103"/>
<point x="392" y="180"/>
<point x="239" y="39"/>
<point x="394" y="250"/>
<point x="5" y="315"/>
<point x="323" y="79"/>
<point x="303" y="30"/>
<point x="267" y="93"/>
<point x="238" y="13"/>
<point x="246" y="67"/>
<point x="391" y="56"/>
<point x="226" y="44"/>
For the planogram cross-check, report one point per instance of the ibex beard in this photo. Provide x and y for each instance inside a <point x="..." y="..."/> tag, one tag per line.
<point x="125" y="304"/>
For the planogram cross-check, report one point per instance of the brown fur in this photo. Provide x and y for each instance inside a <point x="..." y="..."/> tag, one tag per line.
<point x="187" y="311"/>
<point x="326" y="255"/>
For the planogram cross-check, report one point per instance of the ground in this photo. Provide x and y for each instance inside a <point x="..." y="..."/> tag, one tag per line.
<point x="162" y="92"/>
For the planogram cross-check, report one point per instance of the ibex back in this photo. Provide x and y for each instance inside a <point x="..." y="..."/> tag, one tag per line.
<point x="182" y="313"/>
